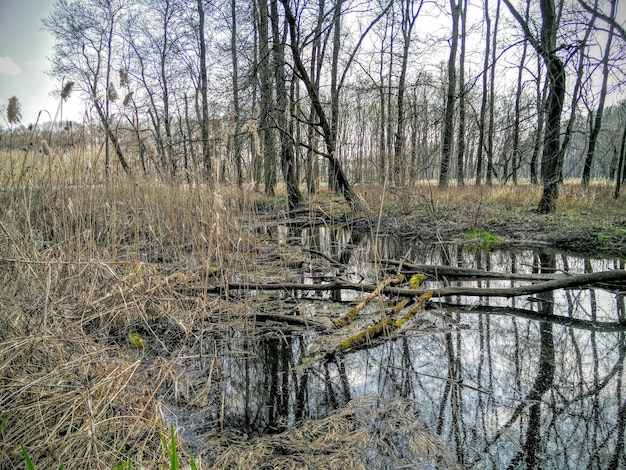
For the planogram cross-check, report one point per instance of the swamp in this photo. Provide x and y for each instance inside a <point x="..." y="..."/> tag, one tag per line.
<point x="454" y="329"/>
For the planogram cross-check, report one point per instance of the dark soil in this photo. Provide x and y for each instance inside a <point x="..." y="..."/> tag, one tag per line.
<point x="590" y="234"/>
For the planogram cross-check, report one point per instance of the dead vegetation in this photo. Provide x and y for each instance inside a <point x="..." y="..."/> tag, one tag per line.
<point x="106" y="288"/>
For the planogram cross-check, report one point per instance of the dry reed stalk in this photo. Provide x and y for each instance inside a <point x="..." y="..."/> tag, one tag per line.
<point x="365" y="433"/>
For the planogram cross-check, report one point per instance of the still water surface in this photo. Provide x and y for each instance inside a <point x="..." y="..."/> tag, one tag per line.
<point x="503" y="391"/>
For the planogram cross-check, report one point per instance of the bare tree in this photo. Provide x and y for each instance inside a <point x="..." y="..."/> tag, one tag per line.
<point x="206" y="146"/>
<point x="84" y="34"/>
<point x="483" y="101"/>
<point x="235" y="83"/>
<point x="325" y="124"/>
<point x="492" y="101"/>
<point x="448" y="122"/>
<point x="597" y="124"/>
<point x="546" y="48"/>
<point x="410" y="12"/>
<point x="283" y="116"/>
<point x="267" y="99"/>
<point x="460" y="151"/>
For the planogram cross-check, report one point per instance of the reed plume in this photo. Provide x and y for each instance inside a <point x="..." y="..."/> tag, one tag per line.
<point x="127" y="98"/>
<point x="112" y="92"/>
<point x="123" y="78"/>
<point x="45" y="148"/>
<point x="14" y="110"/>
<point x="67" y="91"/>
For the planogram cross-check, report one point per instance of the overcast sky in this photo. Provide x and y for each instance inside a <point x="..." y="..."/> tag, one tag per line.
<point x="24" y="52"/>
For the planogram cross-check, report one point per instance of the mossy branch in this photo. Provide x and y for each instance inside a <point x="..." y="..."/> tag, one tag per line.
<point x="352" y="313"/>
<point x="385" y="325"/>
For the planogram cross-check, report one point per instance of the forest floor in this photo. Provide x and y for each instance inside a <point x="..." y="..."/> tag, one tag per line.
<point x="586" y="222"/>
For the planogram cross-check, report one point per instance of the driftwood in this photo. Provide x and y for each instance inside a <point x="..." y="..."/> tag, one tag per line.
<point x="560" y="282"/>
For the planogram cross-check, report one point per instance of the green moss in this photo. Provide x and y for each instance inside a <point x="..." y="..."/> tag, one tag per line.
<point x="362" y="337"/>
<point x="486" y="240"/>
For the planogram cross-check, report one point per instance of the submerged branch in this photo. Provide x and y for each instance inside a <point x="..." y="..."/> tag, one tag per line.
<point x="590" y="325"/>
<point x="560" y="282"/>
<point x="454" y="271"/>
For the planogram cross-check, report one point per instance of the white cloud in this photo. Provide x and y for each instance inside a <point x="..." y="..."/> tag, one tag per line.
<point x="8" y="67"/>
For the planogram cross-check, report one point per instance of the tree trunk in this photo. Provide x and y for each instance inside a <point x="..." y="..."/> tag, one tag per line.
<point x="542" y="97"/>
<point x="336" y="169"/>
<point x="492" y="105"/>
<point x="619" y="177"/>
<point x="334" y="88"/>
<point x="236" y="107"/>
<point x="409" y="16"/>
<point x="206" y="148"/>
<point x="551" y="163"/>
<point x="550" y="160"/>
<point x="317" y="57"/>
<point x="516" y="157"/>
<point x="112" y="137"/>
<point x="567" y="135"/>
<point x="460" y="151"/>
<point x="287" y="152"/>
<point x="483" y="100"/>
<point x="448" y="123"/>
<point x="267" y="102"/>
<point x="595" y="130"/>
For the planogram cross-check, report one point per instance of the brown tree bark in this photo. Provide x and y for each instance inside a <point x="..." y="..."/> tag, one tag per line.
<point x="287" y="153"/>
<point x="206" y="147"/>
<point x="448" y="123"/>
<point x="546" y="47"/>
<point x="336" y="171"/>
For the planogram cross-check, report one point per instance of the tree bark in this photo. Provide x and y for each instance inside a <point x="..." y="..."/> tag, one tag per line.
<point x="409" y="16"/>
<point x="551" y="163"/>
<point x="287" y="153"/>
<point x="492" y="93"/>
<point x="236" y="106"/>
<point x="460" y="151"/>
<point x="448" y="123"/>
<point x="483" y="100"/>
<point x="206" y="147"/>
<point x="595" y="130"/>
<point x="336" y="170"/>
<point x="267" y="101"/>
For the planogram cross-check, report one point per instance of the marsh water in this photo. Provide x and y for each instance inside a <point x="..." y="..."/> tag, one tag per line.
<point x="503" y="388"/>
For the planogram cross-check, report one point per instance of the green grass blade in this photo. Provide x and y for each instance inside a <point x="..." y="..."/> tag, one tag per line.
<point x="174" y="452"/>
<point x="27" y="460"/>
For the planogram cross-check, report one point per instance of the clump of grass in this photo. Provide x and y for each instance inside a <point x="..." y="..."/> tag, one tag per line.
<point x="485" y="239"/>
<point x="91" y="327"/>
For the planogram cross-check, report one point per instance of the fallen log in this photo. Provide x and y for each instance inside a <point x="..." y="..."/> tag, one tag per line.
<point x="561" y="282"/>
<point x="454" y="271"/>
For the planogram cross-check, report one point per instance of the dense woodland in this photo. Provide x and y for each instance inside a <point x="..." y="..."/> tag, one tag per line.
<point x="340" y="91"/>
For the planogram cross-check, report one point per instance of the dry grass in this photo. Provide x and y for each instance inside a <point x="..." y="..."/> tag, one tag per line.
<point x="366" y="433"/>
<point x="85" y="264"/>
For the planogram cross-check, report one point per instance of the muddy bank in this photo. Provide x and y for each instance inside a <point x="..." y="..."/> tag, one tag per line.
<point x="585" y="233"/>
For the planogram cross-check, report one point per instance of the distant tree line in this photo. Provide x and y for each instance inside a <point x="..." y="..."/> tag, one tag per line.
<point x="345" y="92"/>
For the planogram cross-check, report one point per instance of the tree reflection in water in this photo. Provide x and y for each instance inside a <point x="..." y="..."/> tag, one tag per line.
<point x="503" y="391"/>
